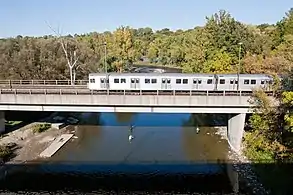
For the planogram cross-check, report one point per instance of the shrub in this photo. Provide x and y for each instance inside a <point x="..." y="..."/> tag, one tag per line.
<point x="41" y="127"/>
<point x="5" y="153"/>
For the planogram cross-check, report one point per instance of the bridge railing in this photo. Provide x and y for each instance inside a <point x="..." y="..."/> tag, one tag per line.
<point x="41" y="82"/>
<point x="122" y="92"/>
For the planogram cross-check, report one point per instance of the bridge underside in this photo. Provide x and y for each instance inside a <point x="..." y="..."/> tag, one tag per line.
<point x="137" y="109"/>
<point x="2" y="121"/>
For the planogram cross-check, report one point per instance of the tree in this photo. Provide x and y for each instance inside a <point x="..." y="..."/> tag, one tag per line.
<point x="70" y="52"/>
<point x="123" y="47"/>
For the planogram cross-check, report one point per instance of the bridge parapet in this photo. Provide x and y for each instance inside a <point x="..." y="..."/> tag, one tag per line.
<point x="123" y="99"/>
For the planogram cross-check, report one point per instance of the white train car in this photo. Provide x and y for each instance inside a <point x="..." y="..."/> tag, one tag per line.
<point x="134" y="81"/>
<point x="178" y="82"/>
<point x="98" y="81"/>
<point x="248" y="82"/>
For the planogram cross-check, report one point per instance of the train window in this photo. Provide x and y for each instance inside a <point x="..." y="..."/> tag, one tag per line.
<point x="147" y="81"/>
<point x="253" y="82"/>
<point x="154" y="80"/>
<point x="178" y="81"/>
<point x="137" y="80"/>
<point x="163" y="81"/>
<point x="246" y="82"/>
<point x="168" y="81"/>
<point x="122" y="80"/>
<point x="194" y="81"/>
<point x="199" y="81"/>
<point x="210" y="81"/>
<point x="262" y="82"/>
<point x="185" y="81"/>
<point x="102" y="80"/>
<point x="236" y="82"/>
<point x="92" y="80"/>
<point x="222" y="81"/>
<point x="231" y="82"/>
<point x="116" y="80"/>
<point x="132" y="81"/>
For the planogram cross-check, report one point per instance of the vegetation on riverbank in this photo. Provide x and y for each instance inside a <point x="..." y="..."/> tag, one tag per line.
<point x="269" y="142"/>
<point x="41" y="127"/>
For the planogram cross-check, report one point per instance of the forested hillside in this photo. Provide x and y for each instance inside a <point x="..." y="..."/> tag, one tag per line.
<point x="214" y="47"/>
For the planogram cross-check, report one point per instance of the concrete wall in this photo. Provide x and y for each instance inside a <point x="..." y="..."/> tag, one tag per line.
<point x="235" y="131"/>
<point x="2" y="121"/>
<point x="127" y="100"/>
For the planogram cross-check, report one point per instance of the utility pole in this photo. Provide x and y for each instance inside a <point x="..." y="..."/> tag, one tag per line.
<point x="239" y="66"/>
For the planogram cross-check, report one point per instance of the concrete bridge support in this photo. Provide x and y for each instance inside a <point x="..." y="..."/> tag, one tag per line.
<point x="2" y="121"/>
<point x="235" y="131"/>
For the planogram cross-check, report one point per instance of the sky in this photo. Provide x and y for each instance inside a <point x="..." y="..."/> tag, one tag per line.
<point x="31" y="17"/>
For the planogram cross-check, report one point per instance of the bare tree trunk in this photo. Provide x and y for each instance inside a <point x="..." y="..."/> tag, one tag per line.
<point x="72" y="59"/>
<point x="70" y="72"/>
<point x="74" y="75"/>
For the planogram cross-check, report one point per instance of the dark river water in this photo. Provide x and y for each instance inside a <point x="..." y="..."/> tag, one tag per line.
<point x="169" y="154"/>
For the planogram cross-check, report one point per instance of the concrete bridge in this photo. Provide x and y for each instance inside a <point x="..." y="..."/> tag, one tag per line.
<point x="84" y="100"/>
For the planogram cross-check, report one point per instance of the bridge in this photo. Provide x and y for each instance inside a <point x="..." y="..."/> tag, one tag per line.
<point x="61" y="96"/>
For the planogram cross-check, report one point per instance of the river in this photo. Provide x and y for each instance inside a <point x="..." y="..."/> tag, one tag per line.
<point x="169" y="153"/>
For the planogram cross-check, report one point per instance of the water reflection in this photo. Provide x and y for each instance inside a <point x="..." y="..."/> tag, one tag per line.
<point x="158" y="138"/>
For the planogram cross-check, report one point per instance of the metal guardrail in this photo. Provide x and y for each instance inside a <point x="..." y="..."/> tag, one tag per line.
<point x="42" y="82"/>
<point x="124" y="92"/>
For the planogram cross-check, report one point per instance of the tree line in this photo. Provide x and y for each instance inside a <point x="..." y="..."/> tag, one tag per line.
<point x="212" y="48"/>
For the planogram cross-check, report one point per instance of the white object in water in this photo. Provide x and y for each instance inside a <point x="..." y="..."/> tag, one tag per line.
<point x="197" y="130"/>
<point x="130" y="137"/>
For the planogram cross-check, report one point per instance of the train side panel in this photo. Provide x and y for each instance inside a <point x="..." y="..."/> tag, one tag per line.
<point x="97" y="81"/>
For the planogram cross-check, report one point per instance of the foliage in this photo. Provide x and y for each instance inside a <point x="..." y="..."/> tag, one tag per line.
<point x="41" y="127"/>
<point x="214" y="47"/>
<point x="5" y="153"/>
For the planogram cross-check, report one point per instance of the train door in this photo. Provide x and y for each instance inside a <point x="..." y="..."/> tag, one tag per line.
<point x="233" y="84"/>
<point x="103" y="83"/>
<point x="216" y="80"/>
<point x="134" y="83"/>
<point x="196" y="83"/>
<point x="166" y="83"/>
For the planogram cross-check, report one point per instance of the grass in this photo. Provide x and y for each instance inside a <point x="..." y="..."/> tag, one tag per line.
<point x="41" y="127"/>
<point x="12" y="123"/>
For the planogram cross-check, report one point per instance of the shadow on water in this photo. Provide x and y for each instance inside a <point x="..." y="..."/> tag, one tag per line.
<point x="171" y="177"/>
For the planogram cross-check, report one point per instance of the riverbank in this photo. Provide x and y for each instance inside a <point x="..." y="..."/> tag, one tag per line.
<point x="29" y="143"/>
<point x="247" y="175"/>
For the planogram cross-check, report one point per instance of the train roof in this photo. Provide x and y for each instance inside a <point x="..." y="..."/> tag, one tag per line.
<point x="181" y="74"/>
<point x="244" y="75"/>
<point x="153" y="74"/>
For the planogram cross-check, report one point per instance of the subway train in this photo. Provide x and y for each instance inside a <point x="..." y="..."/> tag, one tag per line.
<point x="178" y="82"/>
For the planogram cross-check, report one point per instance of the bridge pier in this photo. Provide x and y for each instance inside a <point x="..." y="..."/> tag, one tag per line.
<point x="235" y="131"/>
<point x="2" y="121"/>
